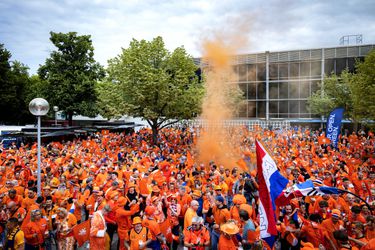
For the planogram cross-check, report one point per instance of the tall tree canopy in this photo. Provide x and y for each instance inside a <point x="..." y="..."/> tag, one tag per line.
<point x="70" y="75"/>
<point x="160" y="86"/>
<point x="353" y="91"/>
<point x="14" y="82"/>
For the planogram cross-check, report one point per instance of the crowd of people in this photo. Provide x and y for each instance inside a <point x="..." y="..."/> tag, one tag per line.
<point x="158" y="196"/>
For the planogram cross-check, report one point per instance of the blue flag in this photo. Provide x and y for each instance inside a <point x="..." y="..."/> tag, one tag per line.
<point x="334" y="125"/>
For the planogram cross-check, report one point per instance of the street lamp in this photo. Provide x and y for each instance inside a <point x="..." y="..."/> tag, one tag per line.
<point x="55" y="108"/>
<point x="39" y="107"/>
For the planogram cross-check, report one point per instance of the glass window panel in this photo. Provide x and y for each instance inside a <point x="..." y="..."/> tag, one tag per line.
<point x="283" y="90"/>
<point x="340" y="65"/>
<point x="251" y="109"/>
<point x="243" y="87"/>
<point x="304" y="115"/>
<point x="293" y="89"/>
<point x="235" y="75"/>
<point x="283" y="70"/>
<point x="305" y="69"/>
<point x="283" y="107"/>
<point x="351" y="64"/>
<point x="274" y="90"/>
<point x="242" y="111"/>
<point x="273" y="71"/>
<point x="261" y="90"/>
<point x="261" y="72"/>
<point x="304" y="89"/>
<point x="284" y="115"/>
<point x="251" y="91"/>
<point x="251" y="72"/>
<point x="293" y="115"/>
<point x="261" y="109"/>
<point x="316" y="68"/>
<point x="294" y="69"/>
<point x="303" y="106"/>
<point x="242" y="73"/>
<point x="274" y="107"/>
<point x="315" y="85"/>
<point x="329" y="66"/>
<point x="293" y="106"/>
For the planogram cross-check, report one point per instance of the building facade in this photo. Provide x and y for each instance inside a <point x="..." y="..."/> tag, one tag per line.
<point x="277" y="85"/>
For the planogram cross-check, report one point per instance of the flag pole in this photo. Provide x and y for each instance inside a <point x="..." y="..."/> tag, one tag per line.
<point x="348" y="192"/>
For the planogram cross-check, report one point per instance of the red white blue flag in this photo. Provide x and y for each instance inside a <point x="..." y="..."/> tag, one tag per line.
<point x="271" y="185"/>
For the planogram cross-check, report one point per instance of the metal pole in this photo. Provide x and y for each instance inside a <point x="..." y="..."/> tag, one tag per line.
<point x="55" y="119"/>
<point x="38" y="171"/>
<point x="267" y="85"/>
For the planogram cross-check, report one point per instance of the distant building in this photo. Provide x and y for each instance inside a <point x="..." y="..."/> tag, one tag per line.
<point x="278" y="84"/>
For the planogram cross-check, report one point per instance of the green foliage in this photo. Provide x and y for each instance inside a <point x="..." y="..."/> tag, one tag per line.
<point x="156" y="84"/>
<point x="14" y="82"/>
<point x="352" y="91"/>
<point x="70" y="74"/>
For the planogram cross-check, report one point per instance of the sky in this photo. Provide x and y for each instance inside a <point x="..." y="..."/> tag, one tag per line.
<point x="260" y="25"/>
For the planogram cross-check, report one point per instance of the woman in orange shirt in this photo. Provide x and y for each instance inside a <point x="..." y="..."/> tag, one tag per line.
<point x="228" y="240"/>
<point x="65" y="222"/>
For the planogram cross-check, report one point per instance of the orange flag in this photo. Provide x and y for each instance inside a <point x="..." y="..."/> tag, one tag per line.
<point x="81" y="232"/>
<point x="189" y="160"/>
<point x="242" y="164"/>
<point x="323" y="140"/>
<point x="165" y="228"/>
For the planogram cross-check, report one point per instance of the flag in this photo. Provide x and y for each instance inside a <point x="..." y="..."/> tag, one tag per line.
<point x="81" y="232"/>
<point x="72" y="208"/>
<point x="189" y="160"/>
<point x="271" y="185"/>
<point x="334" y="125"/>
<point x="307" y="188"/>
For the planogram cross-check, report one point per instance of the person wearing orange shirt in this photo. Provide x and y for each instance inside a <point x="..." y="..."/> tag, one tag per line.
<point x="191" y="212"/>
<point x="220" y="212"/>
<point x="329" y="226"/>
<point x="98" y="229"/>
<point x="228" y="240"/>
<point x="64" y="222"/>
<point x="30" y="199"/>
<point x="16" y="211"/>
<point x="197" y="236"/>
<point x="139" y="236"/>
<point x="35" y="231"/>
<point x="123" y="220"/>
<point x="156" y="235"/>
<point x="12" y="196"/>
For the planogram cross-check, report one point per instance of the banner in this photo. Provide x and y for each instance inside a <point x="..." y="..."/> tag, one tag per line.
<point x="334" y="125"/>
<point x="81" y="232"/>
<point x="271" y="185"/>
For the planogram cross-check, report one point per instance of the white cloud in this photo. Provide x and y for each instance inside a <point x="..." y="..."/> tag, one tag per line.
<point x="268" y="25"/>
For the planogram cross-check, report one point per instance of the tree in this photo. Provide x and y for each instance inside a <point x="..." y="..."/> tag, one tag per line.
<point x="160" y="86"/>
<point x="14" y="80"/>
<point x="70" y="74"/>
<point x="352" y="91"/>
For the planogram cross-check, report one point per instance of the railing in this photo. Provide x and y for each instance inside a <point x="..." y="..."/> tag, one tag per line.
<point x="250" y="124"/>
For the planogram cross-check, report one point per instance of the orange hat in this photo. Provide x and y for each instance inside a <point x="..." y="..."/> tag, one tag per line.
<point x="121" y="201"/>
<point x="197" y="193"/>
<point x="150" y="210"/>
<point x="230" y="228"/>
<point x="137" y="220"/>
<point x="247" y="208"/>
<point x="131" y="185"/>
<point x="307" y="245"/>
<point x="114" y="193"/>
<point x="155" y="189"/>
<point x="239" y="199"/>
<point x="217" y="187"/>
<point x="54" y="183"/>
<point x="336" y="213"/>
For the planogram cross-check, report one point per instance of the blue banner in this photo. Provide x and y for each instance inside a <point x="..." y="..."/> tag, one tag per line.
<point x="334" y="125"/>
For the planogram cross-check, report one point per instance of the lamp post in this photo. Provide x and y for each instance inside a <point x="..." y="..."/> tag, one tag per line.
<point x="55" y="108"/>
<point x="39" y="107"/>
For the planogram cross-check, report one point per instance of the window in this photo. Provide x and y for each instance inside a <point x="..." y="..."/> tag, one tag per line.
<point x="274" y="90"/>
<point x="315" y="86"/>
<point x="283" y="90"/>
<point x="243" y="87"/>
<point x="293" y="106"/>
<point x="273" y="71"/>
<point x="235" y="75"/>
<point x="293" y="89"/>
<point x="283" y="71"/>
<point x="303" y="106"/>
<point x="251" y="91"/>
<point x="304" y="89"/>
<point x="305" y="69"/>
<point x="261" y="72"/>
<point x="274" y="107"/>
<point x="251" y="108"/>
<point x="242" y="111"/>
<point x="351" y="64"/>
<point x="261" y="109"/>
<point x="242" y="73"/>
<point x="329" y="66"/>
<point x="283" y="107"/>
<point x="316" y="69"/>
<point x="340" y="65"/>
<point x="294" y="70"/>
<point x="251" y="72"/>
<point x="261" y="90"/>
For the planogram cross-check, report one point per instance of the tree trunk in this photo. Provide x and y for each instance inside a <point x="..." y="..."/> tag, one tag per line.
<point x="70" y="118"/>
<point x="155" y="131"/>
